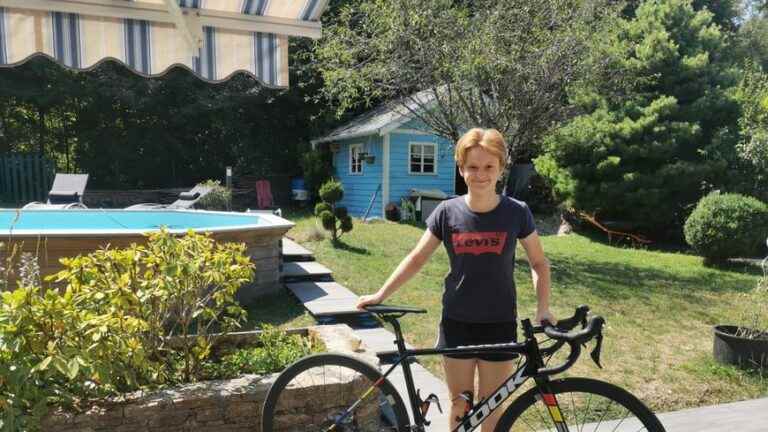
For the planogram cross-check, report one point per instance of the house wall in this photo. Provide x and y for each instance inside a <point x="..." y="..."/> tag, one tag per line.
<point x="401" y="181"/>
<point x="359" y="189"/>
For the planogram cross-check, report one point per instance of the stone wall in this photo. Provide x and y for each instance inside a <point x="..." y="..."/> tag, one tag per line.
<point x="212" y="406"/>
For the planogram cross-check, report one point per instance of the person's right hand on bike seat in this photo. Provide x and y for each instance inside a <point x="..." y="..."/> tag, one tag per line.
<point x="366" y="300"/>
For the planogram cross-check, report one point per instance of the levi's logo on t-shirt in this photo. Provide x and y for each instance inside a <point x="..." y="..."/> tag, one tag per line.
<point x="478" y="242"/>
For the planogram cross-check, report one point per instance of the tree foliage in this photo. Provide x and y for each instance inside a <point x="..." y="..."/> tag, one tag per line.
<point x="646" y="156"/>
<point x="753" y="147"/>
<point x="129" y="131"/>
<point x="493" y="63"/>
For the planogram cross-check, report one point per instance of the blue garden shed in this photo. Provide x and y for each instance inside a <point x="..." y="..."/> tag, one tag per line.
<point x="382" y="155"/>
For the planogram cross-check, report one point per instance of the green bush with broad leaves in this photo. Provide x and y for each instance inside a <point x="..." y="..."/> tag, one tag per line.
<point x="105" y="329"/>
<point x="333" y="218"/>
<point x="727" y="225"/>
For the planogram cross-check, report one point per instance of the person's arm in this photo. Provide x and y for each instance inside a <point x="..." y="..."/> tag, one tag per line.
<point x="409" y="266"/>
<point x="540" y="275"/>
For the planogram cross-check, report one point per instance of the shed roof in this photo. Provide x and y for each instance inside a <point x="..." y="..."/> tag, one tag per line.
<point x="380" y="120"/>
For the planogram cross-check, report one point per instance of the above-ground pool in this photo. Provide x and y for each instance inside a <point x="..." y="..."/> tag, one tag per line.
<point x="52" y="234"/>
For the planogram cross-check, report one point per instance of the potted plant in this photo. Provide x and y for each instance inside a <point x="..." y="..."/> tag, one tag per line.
<point x="746" y="345"/>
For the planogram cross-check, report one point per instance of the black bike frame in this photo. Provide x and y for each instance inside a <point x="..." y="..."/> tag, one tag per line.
<point x="473" y="419"/>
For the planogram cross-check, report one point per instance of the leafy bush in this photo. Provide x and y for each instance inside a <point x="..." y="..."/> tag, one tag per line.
<point x="727" y="225"/>
<point x="277" y="350"/>
<point x="316" y="165"/>
<point x="106" y="330"/>
<point x="219" y="198"/>
<point x="332" y="218"/>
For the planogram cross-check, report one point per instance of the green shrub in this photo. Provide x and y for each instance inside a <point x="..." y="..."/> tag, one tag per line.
<point x="105" y="330"/>
<point x="332" y="218"/>
<point x="317" y="168"/>
<point x="727" y="225"/>
<point x="219" y="198"/>
<point x="277" y="350"/>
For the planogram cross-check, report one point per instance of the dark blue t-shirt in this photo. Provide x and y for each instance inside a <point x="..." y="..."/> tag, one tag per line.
<point x="480" y="286"/>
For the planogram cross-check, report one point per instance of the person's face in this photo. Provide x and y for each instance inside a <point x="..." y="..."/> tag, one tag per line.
<point x="481" y="171"/>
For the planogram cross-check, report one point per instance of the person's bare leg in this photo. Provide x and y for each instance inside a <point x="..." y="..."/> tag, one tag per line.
<point x="491" y="375"/>
<point x="460" y="377"/>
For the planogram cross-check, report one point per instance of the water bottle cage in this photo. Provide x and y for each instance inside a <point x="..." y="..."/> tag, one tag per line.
<point x="426" y="403"/>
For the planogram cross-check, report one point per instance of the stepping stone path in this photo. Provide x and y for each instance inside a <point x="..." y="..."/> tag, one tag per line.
<point x="293" y="251"/>
<point x="324" y="298"/>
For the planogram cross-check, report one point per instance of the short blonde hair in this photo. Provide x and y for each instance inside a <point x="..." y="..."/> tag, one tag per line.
<point x="490" y="140"/>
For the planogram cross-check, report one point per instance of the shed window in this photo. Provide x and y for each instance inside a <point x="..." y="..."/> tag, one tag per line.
<point x="422" y="158"/>
<point x="355" y="160"/>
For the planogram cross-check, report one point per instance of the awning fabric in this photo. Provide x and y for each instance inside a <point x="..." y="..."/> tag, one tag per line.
<point x="79" y="34"/>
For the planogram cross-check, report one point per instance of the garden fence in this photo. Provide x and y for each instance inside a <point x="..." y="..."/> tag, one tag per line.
<point x="25" y="178"/>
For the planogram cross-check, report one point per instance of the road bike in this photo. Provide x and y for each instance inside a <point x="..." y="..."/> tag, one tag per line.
<point x="335" y="392"/>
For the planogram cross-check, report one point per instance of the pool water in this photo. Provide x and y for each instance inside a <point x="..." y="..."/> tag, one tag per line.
<point x="121" y="220"/>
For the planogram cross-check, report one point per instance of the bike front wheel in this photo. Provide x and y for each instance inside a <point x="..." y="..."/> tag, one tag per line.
<point x="333" y="392"/>
<point x="582" y="405"/>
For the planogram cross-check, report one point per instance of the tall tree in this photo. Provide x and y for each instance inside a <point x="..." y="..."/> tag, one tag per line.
<point x="646" y="156"/>
<point x="452" y="64"/>
<point x="753" y="147"/>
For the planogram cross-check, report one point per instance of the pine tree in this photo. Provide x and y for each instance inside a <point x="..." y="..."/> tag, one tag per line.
<point x="646" y="154"/>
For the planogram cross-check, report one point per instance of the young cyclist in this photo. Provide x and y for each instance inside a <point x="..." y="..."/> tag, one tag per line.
<point x="479" y="231"/>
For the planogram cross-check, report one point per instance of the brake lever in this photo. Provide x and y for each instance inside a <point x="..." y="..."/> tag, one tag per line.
<point x="595" y="354"/>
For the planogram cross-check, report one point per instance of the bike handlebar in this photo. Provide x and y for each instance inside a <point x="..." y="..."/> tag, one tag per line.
<point x="592" y="328"/>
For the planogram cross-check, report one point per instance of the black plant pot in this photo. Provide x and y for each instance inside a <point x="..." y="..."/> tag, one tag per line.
<point x="735" y="350"/>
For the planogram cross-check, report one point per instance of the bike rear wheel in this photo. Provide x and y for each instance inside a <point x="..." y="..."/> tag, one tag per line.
<point x="584" y="405"/>
<point x="319" y="391"/>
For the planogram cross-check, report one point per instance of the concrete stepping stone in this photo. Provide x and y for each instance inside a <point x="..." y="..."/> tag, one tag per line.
<point x="305" y="271"/>
<point x="293" y="251"/>
<point x="325" y="298"/>
<point x="382" y="342"/>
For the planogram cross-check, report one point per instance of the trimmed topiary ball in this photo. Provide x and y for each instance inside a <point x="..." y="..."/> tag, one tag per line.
<point x="322" y="207"/>
<point x="726" y="226"/>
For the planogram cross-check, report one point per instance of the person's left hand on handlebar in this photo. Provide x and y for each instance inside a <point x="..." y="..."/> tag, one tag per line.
<point x="545" y="316"/>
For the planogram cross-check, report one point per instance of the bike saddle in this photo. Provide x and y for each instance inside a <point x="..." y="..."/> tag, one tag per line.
<point x="381" y="309"/>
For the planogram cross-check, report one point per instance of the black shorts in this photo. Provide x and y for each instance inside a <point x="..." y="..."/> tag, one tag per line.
<point x="454" y="333"/>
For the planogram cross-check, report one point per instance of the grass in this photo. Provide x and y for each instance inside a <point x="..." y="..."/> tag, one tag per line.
<point x="660" y="306"/>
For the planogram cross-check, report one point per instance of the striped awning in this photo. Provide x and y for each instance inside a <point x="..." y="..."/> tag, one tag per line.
<point x="213" y="38"/>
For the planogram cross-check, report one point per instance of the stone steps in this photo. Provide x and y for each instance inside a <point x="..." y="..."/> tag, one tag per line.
<point x="293" y="252"/>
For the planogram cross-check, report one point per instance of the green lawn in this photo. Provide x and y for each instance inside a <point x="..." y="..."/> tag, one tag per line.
<point x="660" y="307"/>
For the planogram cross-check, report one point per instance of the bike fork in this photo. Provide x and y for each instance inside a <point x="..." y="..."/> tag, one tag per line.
<point x="553" y="407"/>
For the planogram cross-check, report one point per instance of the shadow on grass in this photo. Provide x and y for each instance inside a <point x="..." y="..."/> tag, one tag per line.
<point x="341" y="245"/>
<point x="741" y="266"/>
<point x="274" y="309"/>
<point x="598" y="236"/>
<point x="616" y="281"/>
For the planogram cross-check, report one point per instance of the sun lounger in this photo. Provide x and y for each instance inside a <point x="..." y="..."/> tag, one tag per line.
<point x="186" y="200"/>
<point x="66" y="192"/>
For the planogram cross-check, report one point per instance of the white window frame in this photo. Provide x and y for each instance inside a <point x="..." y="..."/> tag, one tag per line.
<point x="411" y="145"/>
<point x="353" y="162"/>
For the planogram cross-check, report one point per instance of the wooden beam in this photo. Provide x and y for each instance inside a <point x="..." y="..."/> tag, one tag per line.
<point x="192" y="30"/>
<point x="159" y="13"/>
